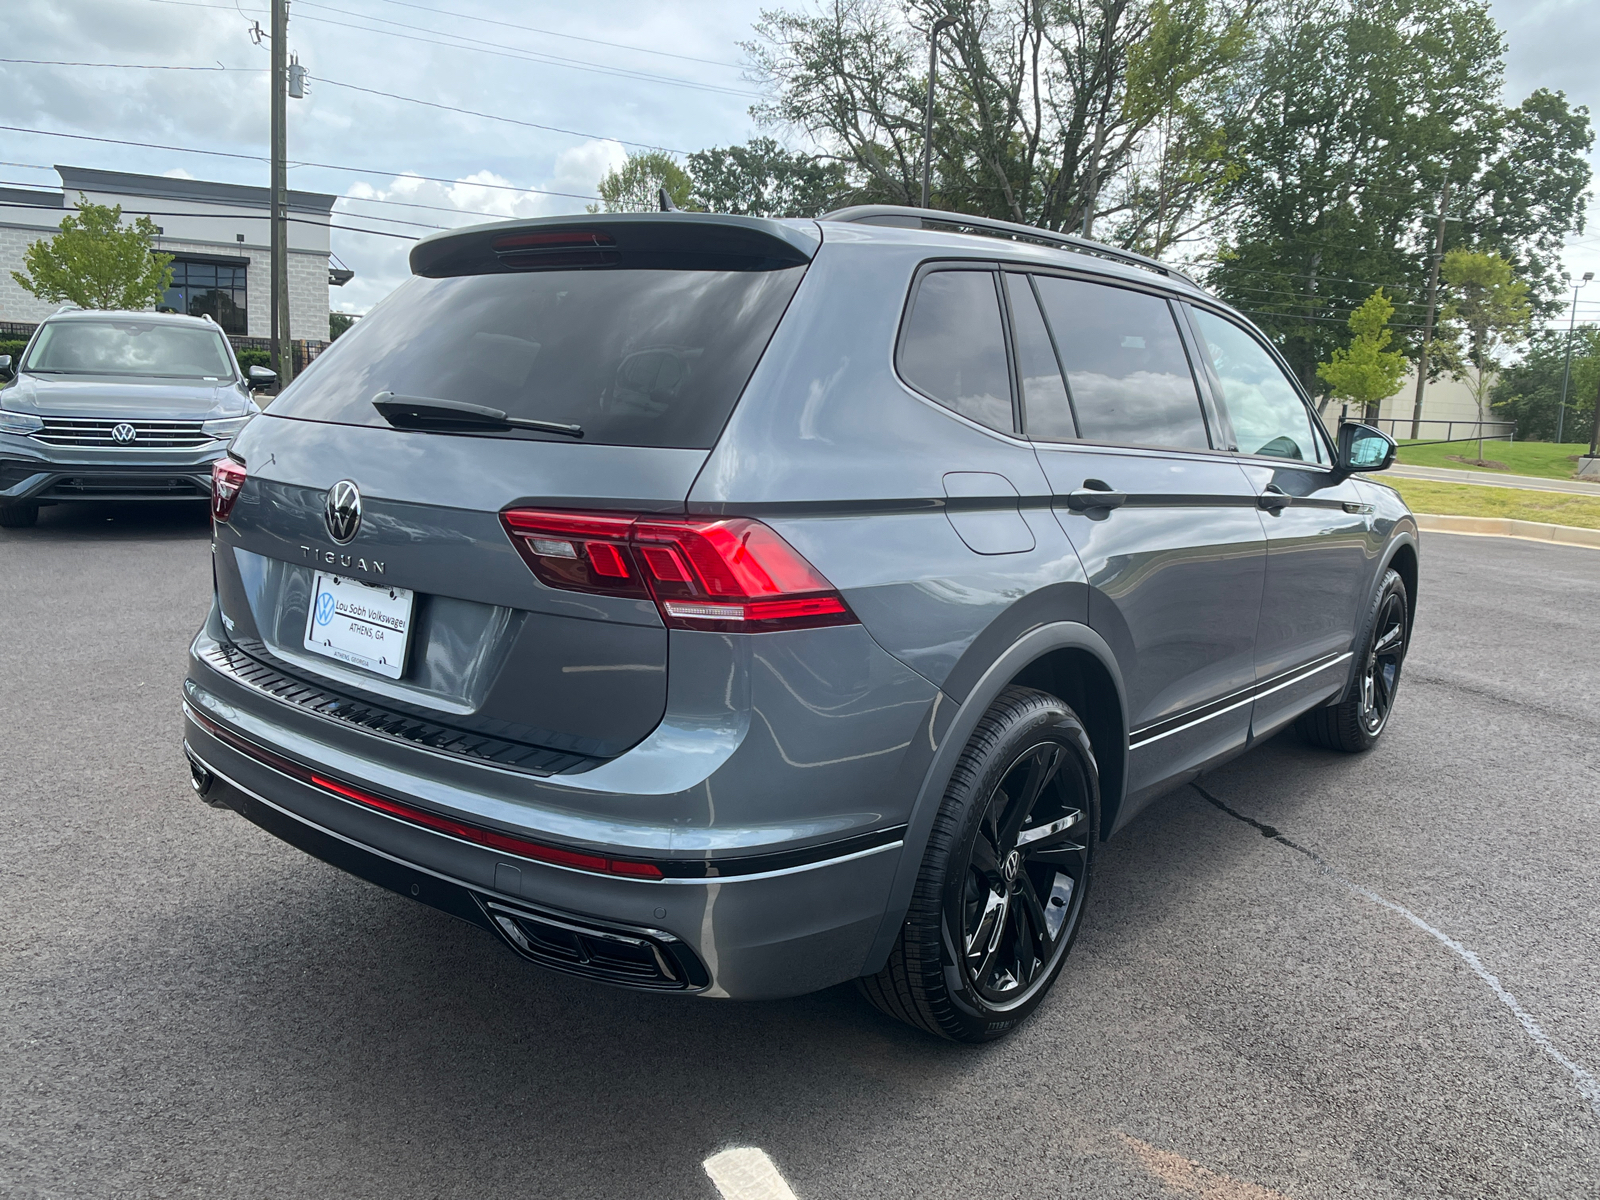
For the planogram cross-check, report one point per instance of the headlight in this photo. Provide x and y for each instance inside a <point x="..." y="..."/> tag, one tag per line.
<point x="225" y="427"/>
<point x="19" y="423"/>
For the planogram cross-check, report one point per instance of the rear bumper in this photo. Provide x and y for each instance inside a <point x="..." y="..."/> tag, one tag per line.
<point x="757" y="935"/>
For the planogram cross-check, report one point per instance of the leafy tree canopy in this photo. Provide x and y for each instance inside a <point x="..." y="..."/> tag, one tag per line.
<point x="635" y="186"/>
<point x="1365" y="372"/>
<point x="97" y="262"/>
<point x="762" y="179"/>
<point x="1362" y="111"/>
<point x="1078" y="114"/>
<point x="1529" y="392"/>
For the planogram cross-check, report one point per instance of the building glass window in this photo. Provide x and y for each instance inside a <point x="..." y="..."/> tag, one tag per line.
<point x="208" y="289"/>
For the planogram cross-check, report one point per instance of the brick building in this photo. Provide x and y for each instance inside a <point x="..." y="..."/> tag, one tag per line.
<point x="219" y="235"/>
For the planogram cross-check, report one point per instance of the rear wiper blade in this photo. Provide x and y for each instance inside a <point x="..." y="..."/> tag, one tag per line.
<point x="424" y="414"/>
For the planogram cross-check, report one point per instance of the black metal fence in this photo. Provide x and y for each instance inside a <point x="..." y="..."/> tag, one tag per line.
<point x="1452" y="431"/>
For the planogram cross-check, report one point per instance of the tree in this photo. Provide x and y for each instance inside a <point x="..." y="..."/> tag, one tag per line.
<point x="762" y="179"/>
<point x="1487" y="311"/>
<point x="339" y="322"/>
<point x="1056" y="113"/>
<point x="1364" y="372"/>
<point x="635" y="186"/>
<point x="97" y="262"/>
<point x="1529" y="391"/>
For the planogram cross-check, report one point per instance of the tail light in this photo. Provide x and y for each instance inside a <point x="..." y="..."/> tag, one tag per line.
<point x="731" y="575"/>
<point x="227" y="478"/>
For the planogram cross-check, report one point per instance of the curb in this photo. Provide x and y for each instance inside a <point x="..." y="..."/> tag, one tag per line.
<point x="1532" y="531"/>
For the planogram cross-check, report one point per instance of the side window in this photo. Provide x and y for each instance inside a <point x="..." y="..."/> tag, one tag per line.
<point x="1127" y="372"/>
<point x="1268" y="415"/>
<point x="1046" y="409"/>
<point x="953" y="348"/>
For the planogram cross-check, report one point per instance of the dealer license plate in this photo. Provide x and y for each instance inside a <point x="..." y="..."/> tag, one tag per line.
<point x="363" y="624"/>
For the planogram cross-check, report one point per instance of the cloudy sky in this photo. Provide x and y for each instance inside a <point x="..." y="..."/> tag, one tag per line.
<point x="601" y="76"/>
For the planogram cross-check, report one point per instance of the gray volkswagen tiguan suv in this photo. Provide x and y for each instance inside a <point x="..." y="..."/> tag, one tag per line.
<point x="117" y="406"/>
<point x="741" y="607"/>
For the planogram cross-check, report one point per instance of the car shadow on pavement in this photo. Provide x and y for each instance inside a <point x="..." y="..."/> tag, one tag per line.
<point x="171" y="520"/>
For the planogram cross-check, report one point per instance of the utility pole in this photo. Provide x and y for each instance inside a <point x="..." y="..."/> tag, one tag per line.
<point x="939" y="27"/>
<point x="282" y="351"/>
<point x="1566" y="371"/>
<point x="1594" y="434"/>
<point x="1433" y="306"/>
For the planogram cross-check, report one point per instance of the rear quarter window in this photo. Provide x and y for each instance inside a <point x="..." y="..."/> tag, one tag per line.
<point x="634" y="357"/>
<point x="953" y="347"/>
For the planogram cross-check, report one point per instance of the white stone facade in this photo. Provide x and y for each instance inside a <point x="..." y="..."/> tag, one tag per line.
<point x="210" y="221"/>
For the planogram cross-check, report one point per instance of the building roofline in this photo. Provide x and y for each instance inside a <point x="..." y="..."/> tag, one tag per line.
<point x="31" y="198"/>
<point x="88" y="179"/>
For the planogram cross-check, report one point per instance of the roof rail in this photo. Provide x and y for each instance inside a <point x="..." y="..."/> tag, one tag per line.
<point x="933" y="218"/>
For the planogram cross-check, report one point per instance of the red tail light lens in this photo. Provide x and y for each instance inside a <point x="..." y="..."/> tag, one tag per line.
<point x="730" y="575"/>
<point x="227" y="478"/>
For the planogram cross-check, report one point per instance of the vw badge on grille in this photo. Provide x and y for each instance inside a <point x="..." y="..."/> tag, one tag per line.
<point x="123" y="434"/>
<point x="343" y="511"/>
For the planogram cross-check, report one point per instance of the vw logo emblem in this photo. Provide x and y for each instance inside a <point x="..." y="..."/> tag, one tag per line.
<point x="325" y="607"/>
<point x="1012" y="866"/>
<point x="122" y="433"/>
<point x="343" y="511"/>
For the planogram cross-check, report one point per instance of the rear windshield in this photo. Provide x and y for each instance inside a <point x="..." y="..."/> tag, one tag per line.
<point x="634" y="357"/>
<point x="150" y="348"/>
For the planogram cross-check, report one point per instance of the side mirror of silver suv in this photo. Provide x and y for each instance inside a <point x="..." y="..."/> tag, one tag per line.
<point x="6" y="370"/>
<point x="262" y="379"/>
<point x="1363" y="448"/>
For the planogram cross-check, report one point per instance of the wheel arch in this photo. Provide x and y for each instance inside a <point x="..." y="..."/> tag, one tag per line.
<point x="1403" y="558"/>
<point x="1065" y="658"/>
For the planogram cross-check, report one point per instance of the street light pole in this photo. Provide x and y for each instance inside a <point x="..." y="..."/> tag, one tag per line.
<point x="1566" y="371"/>
<point x="939" y="27"/>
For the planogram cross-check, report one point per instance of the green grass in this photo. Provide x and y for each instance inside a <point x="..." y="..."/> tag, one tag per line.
<point x="1476" y="500"/>
<point x="1547" y="460"/>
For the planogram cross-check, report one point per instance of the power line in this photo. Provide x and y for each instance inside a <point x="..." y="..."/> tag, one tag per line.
<point x="570" y="36"/>
<point x="481" y="47"/>
<point x="493" y="116"/>
<point x="501" y="187"/>
<point x="498" y="47"/>
<point x="45" y="62"/>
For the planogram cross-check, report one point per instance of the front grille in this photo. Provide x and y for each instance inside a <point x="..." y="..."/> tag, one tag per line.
<point x="147" y="435"/>
<point x="635" y="957"/>
<point x="233" y="662"/>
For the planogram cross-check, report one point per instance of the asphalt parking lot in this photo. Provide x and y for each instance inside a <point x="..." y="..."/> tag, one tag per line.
<point x="1395" y="996"/>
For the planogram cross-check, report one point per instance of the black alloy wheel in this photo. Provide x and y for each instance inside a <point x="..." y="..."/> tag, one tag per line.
<point x="1355" y="721"/>
<point x="1000" y="894"/>
<point x="1381" y="676"/>
<point x="1023" y="874"/>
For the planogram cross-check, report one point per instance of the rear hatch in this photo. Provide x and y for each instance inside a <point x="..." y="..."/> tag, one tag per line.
<point x="563" y="364"/>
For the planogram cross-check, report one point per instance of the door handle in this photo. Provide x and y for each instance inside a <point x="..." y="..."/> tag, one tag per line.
<point x="1095" y="494"/>
<point x="1274" y="498"/>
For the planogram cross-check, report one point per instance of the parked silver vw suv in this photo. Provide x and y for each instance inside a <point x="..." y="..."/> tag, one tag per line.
<point x="741" y="607"/>
<point x="118" y="406"/>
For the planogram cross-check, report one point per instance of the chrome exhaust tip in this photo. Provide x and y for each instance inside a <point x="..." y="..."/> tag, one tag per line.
<point x="200" y="777"/>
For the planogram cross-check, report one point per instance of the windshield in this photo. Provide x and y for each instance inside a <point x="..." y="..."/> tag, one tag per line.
<point x="633" y="357"/>
<point x="124" y="347"/>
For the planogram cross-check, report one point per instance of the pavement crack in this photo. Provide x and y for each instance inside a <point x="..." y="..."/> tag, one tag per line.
<point x="1588" y="1086"/>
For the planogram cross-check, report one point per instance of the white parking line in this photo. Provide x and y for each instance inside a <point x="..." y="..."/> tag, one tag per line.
<point x="1588" y="1086"/>
<point x="746" y="1173"/>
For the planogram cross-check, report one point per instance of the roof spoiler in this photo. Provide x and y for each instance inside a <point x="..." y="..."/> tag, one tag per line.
<point x="954" y="222"/>
<point x="656" y="240"/>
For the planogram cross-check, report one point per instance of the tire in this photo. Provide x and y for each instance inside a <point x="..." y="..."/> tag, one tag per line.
<point x="1358" y="720"/>
<point x="18" y="516"/>
<point x="994" y="912"/>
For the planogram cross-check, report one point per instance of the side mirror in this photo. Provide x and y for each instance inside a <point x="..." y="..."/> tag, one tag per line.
<point x="262" y="379"/>
<point x="6" y="371"/>
<point x="1363" y="448"/>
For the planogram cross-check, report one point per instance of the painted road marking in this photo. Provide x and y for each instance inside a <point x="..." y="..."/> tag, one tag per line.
<point x="1588" y="1086"/>
<point x="746" y="1173"/>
